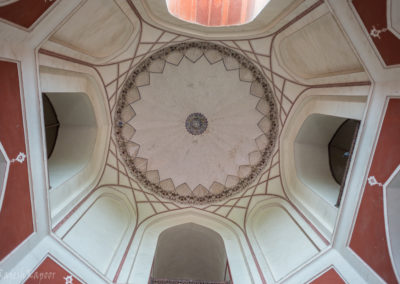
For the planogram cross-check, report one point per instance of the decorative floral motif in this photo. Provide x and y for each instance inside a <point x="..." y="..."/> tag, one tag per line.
<point x="69" y="279"/>
<point x="196" y="123"/>
<point x="377" y="33"/>
<point x="232" y="61"/>
<point x="372" y="181"/>
<point x="20" y="158"/>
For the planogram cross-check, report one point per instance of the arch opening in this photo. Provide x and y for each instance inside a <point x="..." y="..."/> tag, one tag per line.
<point x="190" y="252"/>
<point x="283" y="244"/>
<point x="71" y="131"/>
<point x="323" y="148"/>
<point x="51" y="123"/>
<point x="216" y="13"/>
<point x="99" y="232"/>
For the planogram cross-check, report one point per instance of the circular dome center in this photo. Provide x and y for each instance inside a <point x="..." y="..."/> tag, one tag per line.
<point x="196" y="123"/>
<point x="229" y="115"/>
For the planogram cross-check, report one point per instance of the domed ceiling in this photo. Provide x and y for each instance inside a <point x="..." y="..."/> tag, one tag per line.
<point x="187" y="136"/>
<point x="192" y="119"/>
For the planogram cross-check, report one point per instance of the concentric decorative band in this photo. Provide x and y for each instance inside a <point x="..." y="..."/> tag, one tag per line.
<point x="196" y="123"/>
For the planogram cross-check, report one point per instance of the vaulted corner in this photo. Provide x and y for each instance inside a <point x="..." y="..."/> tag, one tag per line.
<point x="76" y="126"/>
<point x="322" y="150"/>
<point x="307" y="155"/>
<point x="74" y="138"/>
<point x="86" y="35"/>
<point x="199" y="141"/>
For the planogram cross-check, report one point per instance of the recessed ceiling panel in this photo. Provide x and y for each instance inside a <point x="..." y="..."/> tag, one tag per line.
<point x="99" y="29"/>
<point x="319" y="49"/>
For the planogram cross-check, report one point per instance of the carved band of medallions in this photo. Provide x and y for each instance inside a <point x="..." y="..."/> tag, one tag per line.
<point x="193" y="51"/>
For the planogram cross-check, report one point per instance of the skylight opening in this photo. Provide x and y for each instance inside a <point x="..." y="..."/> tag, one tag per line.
<point x="216" y="13"/>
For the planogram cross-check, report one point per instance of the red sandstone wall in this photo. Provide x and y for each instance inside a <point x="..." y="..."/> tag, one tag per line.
<point x="16" y="222"/>
<point x="373" y="15"/>
<point x="329" y="277"/>
<point x="369" y="237"/>
<point x="51" y="273"/>
<point x="25" y="12"/>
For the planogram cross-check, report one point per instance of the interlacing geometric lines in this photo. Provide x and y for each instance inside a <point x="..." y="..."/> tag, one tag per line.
<point x="260" y="52"/>
<point x="117" y="174"/>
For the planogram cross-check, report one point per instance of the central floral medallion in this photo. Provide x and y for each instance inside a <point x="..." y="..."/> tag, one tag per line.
<point x="227" y="138"/>
<point x="196" y="123"/>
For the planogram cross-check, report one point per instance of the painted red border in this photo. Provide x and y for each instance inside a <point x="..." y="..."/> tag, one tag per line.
<point x="164" y="39"/>
<point x="25" y="13"/>
<point x="16" y="223"/>
<point x="329" y="277"/>
<point x="373" y="14"/>
<point x="368" y="240"/>
<point x="50" y="272"/>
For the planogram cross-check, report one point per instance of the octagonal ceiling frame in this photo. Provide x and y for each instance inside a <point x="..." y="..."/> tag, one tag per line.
<point x="163" y="38"/>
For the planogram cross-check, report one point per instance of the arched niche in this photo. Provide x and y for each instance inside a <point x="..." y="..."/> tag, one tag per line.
<point x="392" y="213"/>
<point x="139" y="260"/>
<point x="190" y="252"/>
<point x="76" y="136"/>
<point x="100" y="229"/>
<point x="318" y="153"/>
<point x="116" y="228"/>
<point x="282" y="240"/>
<point x="81" y="145"/>
<point x="325" y="112"/>
<point x="98" y="233"/>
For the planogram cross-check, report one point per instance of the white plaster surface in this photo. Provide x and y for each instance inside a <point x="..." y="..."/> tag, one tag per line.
<point x="58" y="80"/>
<point x="393" y="16"/>
<point x="19" y="45"/>
<point x="282" y="242"/>
<point x="312" y="155"/>
<point x="196" y="87"/>
<point x="140" y="257"/>
<point x="264" y="235"/>
<point x="349" y="104"/>
<point x="318" y="49"/>
<point x="97" y="235"/>
<point x="190" y="251"/>
<point x="76" y="136"/>
<point x="392" y="212"/>
<point x="4" y="167"/>
<point x="101" y="34"/>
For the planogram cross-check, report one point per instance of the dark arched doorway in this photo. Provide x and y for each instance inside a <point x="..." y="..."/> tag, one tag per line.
<point x="190" y="253"/>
